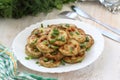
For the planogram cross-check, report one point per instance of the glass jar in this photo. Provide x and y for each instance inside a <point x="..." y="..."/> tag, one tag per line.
<point x="112" y="5"/>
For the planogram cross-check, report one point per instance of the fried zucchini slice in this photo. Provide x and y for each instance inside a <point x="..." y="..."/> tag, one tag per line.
<point x="88" y="42"/>
<point x="32" y="39"/>
<point x="50" y="63"/>
<point x="43" y="45"/>
<point x="57" y="36"/>
<point x="71" y="48"/>
<point x="32" y="51"/>
<point x="76" y="33"/>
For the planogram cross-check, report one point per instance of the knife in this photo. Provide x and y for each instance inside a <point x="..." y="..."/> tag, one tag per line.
<point x="87" y="16"/>
<point x="109" y="35"/>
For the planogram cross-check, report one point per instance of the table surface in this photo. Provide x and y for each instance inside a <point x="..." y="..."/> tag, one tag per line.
<point x="107" y="67"/>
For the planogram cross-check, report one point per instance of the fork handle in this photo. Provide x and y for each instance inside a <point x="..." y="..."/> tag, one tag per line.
<point x="117" y="31"/>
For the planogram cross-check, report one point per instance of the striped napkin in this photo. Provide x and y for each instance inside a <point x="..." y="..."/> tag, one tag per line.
<point x="8" y="68"/>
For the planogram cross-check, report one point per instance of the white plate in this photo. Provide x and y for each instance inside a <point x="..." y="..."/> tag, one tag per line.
<point x="95" y="51"/>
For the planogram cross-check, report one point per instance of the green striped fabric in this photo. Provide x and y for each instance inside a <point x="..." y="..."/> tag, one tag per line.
<point x="8" y="68"/>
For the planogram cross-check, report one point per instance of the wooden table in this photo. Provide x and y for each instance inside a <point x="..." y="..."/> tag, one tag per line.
<point x="107" y="67"/>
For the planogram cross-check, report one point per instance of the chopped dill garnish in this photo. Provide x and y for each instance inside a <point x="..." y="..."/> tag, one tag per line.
<point x="71" y="33"/>
<point x="67" y="25"/>
<point x="28" y="57"/>
<point x="54" y="53"/>
<point x="62" y="62"/>
<point x="46" y="59"/>
<point x="55" y="32"/>
<point x="37" y="62"/>
<point x="71" y="49"/>
<point x="77" y="33"/>
<point x="41" y="25"/>
<point x="87" y="39"/>
<point x="33" y="42"/>
<point x="87" y="49"/>
<point x="55" y="47"/>
<point x="83" y="45"/>
<point x="52" y="41"/>
<point x="45" y="42"/>
<point x="48" y="25"/>
<point x="62" y="38"/>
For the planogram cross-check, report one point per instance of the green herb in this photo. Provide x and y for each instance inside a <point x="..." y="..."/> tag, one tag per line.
<point x="62" y="62"/>
<point x="41" y="25"/>
<point x="83" y="45"/>
<point x="77" y="33"/>
<point x="55" y="32"/>
<point x="52" y="41"/>
<point x="48" y="25"/>
<point x="36" y="50"/>
<point x="37" y="62"/>
<point x="45" y="42"/>
<point x="71" y="49"/>
<point x="36" y="32"/>
<point x="53" y="35"/>
<point x="49" y="45"/>
<point x="71" y="33"/>
<point x="54" y="53"/>
<point x="55" y="47"/>
<point x="87" y="39"/>
<point x="67" y="25"/>
<point x="34" y="41"/>
<point x="46" y="59"/>
<point x="87" y="49"/>
<point x="61" y="39"/>
<point x="20" y="8"/>
<point x="28" y="58"/>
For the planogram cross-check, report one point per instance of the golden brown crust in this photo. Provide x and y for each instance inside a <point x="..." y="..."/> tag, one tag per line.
<point x="32" y="39"/>
<point x="50" y="63"/>
<point x="82" y="34"/>
<point x="74" y="59"/>
<point x="40" y="31"/>
<point x="54" y="55"/>
<point x="36" y="32"/>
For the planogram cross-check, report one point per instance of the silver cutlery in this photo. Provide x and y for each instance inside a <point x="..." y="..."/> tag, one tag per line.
<point x="87" y="16"/>
<point x="73" y="15"/>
